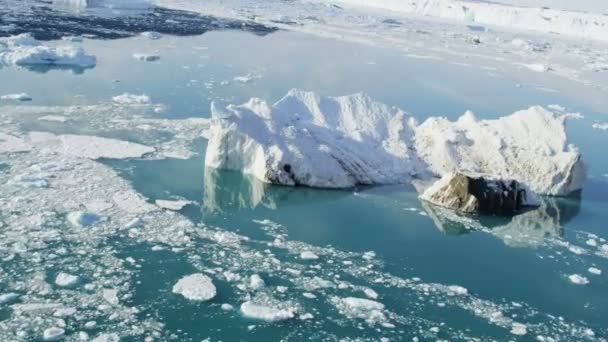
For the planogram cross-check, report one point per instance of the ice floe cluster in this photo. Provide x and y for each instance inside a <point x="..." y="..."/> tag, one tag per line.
<point x="24" y="50"/>
<point x="341" y="142"/>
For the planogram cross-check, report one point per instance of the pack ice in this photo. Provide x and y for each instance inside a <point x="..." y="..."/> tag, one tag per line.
<point x="23" y="49"/>
<point x="340" y="142"/>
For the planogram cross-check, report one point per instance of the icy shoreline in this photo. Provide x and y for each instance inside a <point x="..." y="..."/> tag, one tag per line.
<point x="341" y="142"/>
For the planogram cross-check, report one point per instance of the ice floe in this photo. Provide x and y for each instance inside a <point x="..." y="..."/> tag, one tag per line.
<point x="172" y="205"/>
<point x="266" y="313"/>
<point x="340" y="142"/>
<point x="16" y="97"/>
<point x="196" y="286"/>
<point x="131" y="99"/>
<point x="23" y="49"/>
<point x="66" y="279"/>
<point x="578" y="279"/>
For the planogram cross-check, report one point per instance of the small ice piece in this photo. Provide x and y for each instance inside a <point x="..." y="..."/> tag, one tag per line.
<point x="308" y="255"/>
<point x="110" y="296"/>
<point x="594" y="270"/>
<point x="457" y="290"/>
<point x="578" y="279"/>
<point x="106" y="338"/>
<point x="591" y="242"/>
<point x="246" y="78"/>
<point x="53" y="334"/>
<point x="256" y="282"/>
<point x="66" y="279"/>
<point x="306" y="316"/>
<point x="131" y="99"/>
<point x="266" y="313"/>
<point x="53" y="118"/>
<point x="309" y="295"/>
<point x="369" y="310"/>
<point x="16" y="97"/>
<point x="370" y="293"/>
<point x="519" y="329"/>
<point x="282" y="289"/>
<point x="146" y="57"/>
<point x="172" y="205"/>
<point x="90" y="325"/>
<point x="82" y="218"/>
<point x="227" y="307"/>
<point x="196" y="286"/>
<point x="6" y="298"/>
<point x="602" y="126"/>
<point x="151" y="35"/>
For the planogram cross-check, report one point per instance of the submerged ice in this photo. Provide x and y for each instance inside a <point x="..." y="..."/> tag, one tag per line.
<point x="341" y="142"/>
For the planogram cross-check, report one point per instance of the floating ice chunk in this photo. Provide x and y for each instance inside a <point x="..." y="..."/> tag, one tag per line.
<point x="227" y="307"/>
<point x="591" y="242"/>
<point x="247" y="78"/>
<point x="131" y="99"/>
<point x="172" y="205"/>
<point x="529" y="146"/>
<point x="54" y="118"/>
<point x="370" y="293"/>
<point x="110" y="296"/>
<point x="267" y="313"/>
<point x="75" y="39"/>
<point x="309" y="295"/>
<point x="7" y="298"/>
<point x="146" y="57"/>
<point x="537" y="67"/>
<point x="369" y="310"/>
<point x="578" y="279"/>
<point x="256" y="282"/>
<point x="106" y="338"/>
<point x="308" y="255"/>
<point x="306" y="316"/>
<point x="82" y="218"/>
<point x="92" y="147"/>
<point x="457" y="290"/>
<point x="196" y="286"/>
<point x="151" y="35"/>
<point x="53" y="334"/>
<point x="66" y="279"/>
<point x="519" y="329"/>
<point x="304" y="139"/>
<point x="603" y="126"/>
<point x="16" y="97"/>
<point x="23" y="49"/>
<point x="594" y="270"/>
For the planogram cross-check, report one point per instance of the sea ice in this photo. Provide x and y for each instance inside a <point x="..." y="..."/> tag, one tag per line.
<point x="66" y="279"/>
<point x="23" y="49"/>
<point x="594" y="270"/>
<point x="92" y="147"/>
<point x="197" y="286"/>
<point x="151" y="35"/>
<point x="308" y="255"/>
<point x="6" y="298"/>
<point x="16" y="97"/>
<point x="53" y="334"/>
<point x="603" y="126"/>
<point x="369" y="310"/>
<point x="256" y="282"/>
<point x="131" y="99"/>
<point x="266" y="313"/>
<point x="578" y="279"/>
<point x="172" y="205"/>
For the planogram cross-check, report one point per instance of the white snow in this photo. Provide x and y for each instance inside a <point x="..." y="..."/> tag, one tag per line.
<point x="578" y="279"/>
<point x="66" y="279"/>
<point x="172" y="205"/>
<point x="131" y="99"/>
<point x="546" y="20"/>
<point x="266" y="313"/>
<point x="340" y="142"/>
<point x="197" y="286"/>
<point x="16" y="97"/>
<point x="53" y="334"/>
<point x="23" y="49"/>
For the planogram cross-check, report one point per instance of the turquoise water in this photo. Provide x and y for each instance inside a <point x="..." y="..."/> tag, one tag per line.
<point x="517" y="267"/>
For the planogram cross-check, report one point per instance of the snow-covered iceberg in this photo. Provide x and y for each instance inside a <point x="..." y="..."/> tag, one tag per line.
<point x="341" y="142"/>
<point x="23" y="49"/>
<point x="305" y="139"/>
<point x="529" y="146"/>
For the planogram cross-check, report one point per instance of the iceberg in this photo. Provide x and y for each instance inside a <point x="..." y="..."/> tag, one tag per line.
<point x="24" y="50"/>
<point x="342" y="142"/>
<point x="305" y="139"/>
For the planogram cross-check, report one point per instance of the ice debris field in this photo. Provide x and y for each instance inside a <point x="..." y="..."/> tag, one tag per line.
<point x="201" y="196"/>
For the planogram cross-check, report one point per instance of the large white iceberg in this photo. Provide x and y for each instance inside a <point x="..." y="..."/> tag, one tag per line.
<point x="341" y="142"/>
<point x="529" y="146"/>
<point x="23" y="49"/>
<point x="305" y="139"/>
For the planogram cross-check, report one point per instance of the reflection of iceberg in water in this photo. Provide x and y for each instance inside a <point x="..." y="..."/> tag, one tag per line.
<point x="529" y="229"/>
<point x="228" y="191"/>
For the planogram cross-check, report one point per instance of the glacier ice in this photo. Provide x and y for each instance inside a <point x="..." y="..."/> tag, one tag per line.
<point x="23" y="49"/>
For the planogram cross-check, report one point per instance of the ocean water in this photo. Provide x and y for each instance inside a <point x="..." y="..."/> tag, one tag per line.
<point x="430" y="276"/>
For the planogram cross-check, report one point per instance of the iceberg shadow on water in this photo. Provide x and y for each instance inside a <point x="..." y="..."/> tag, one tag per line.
<point x="528" y="229"/>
